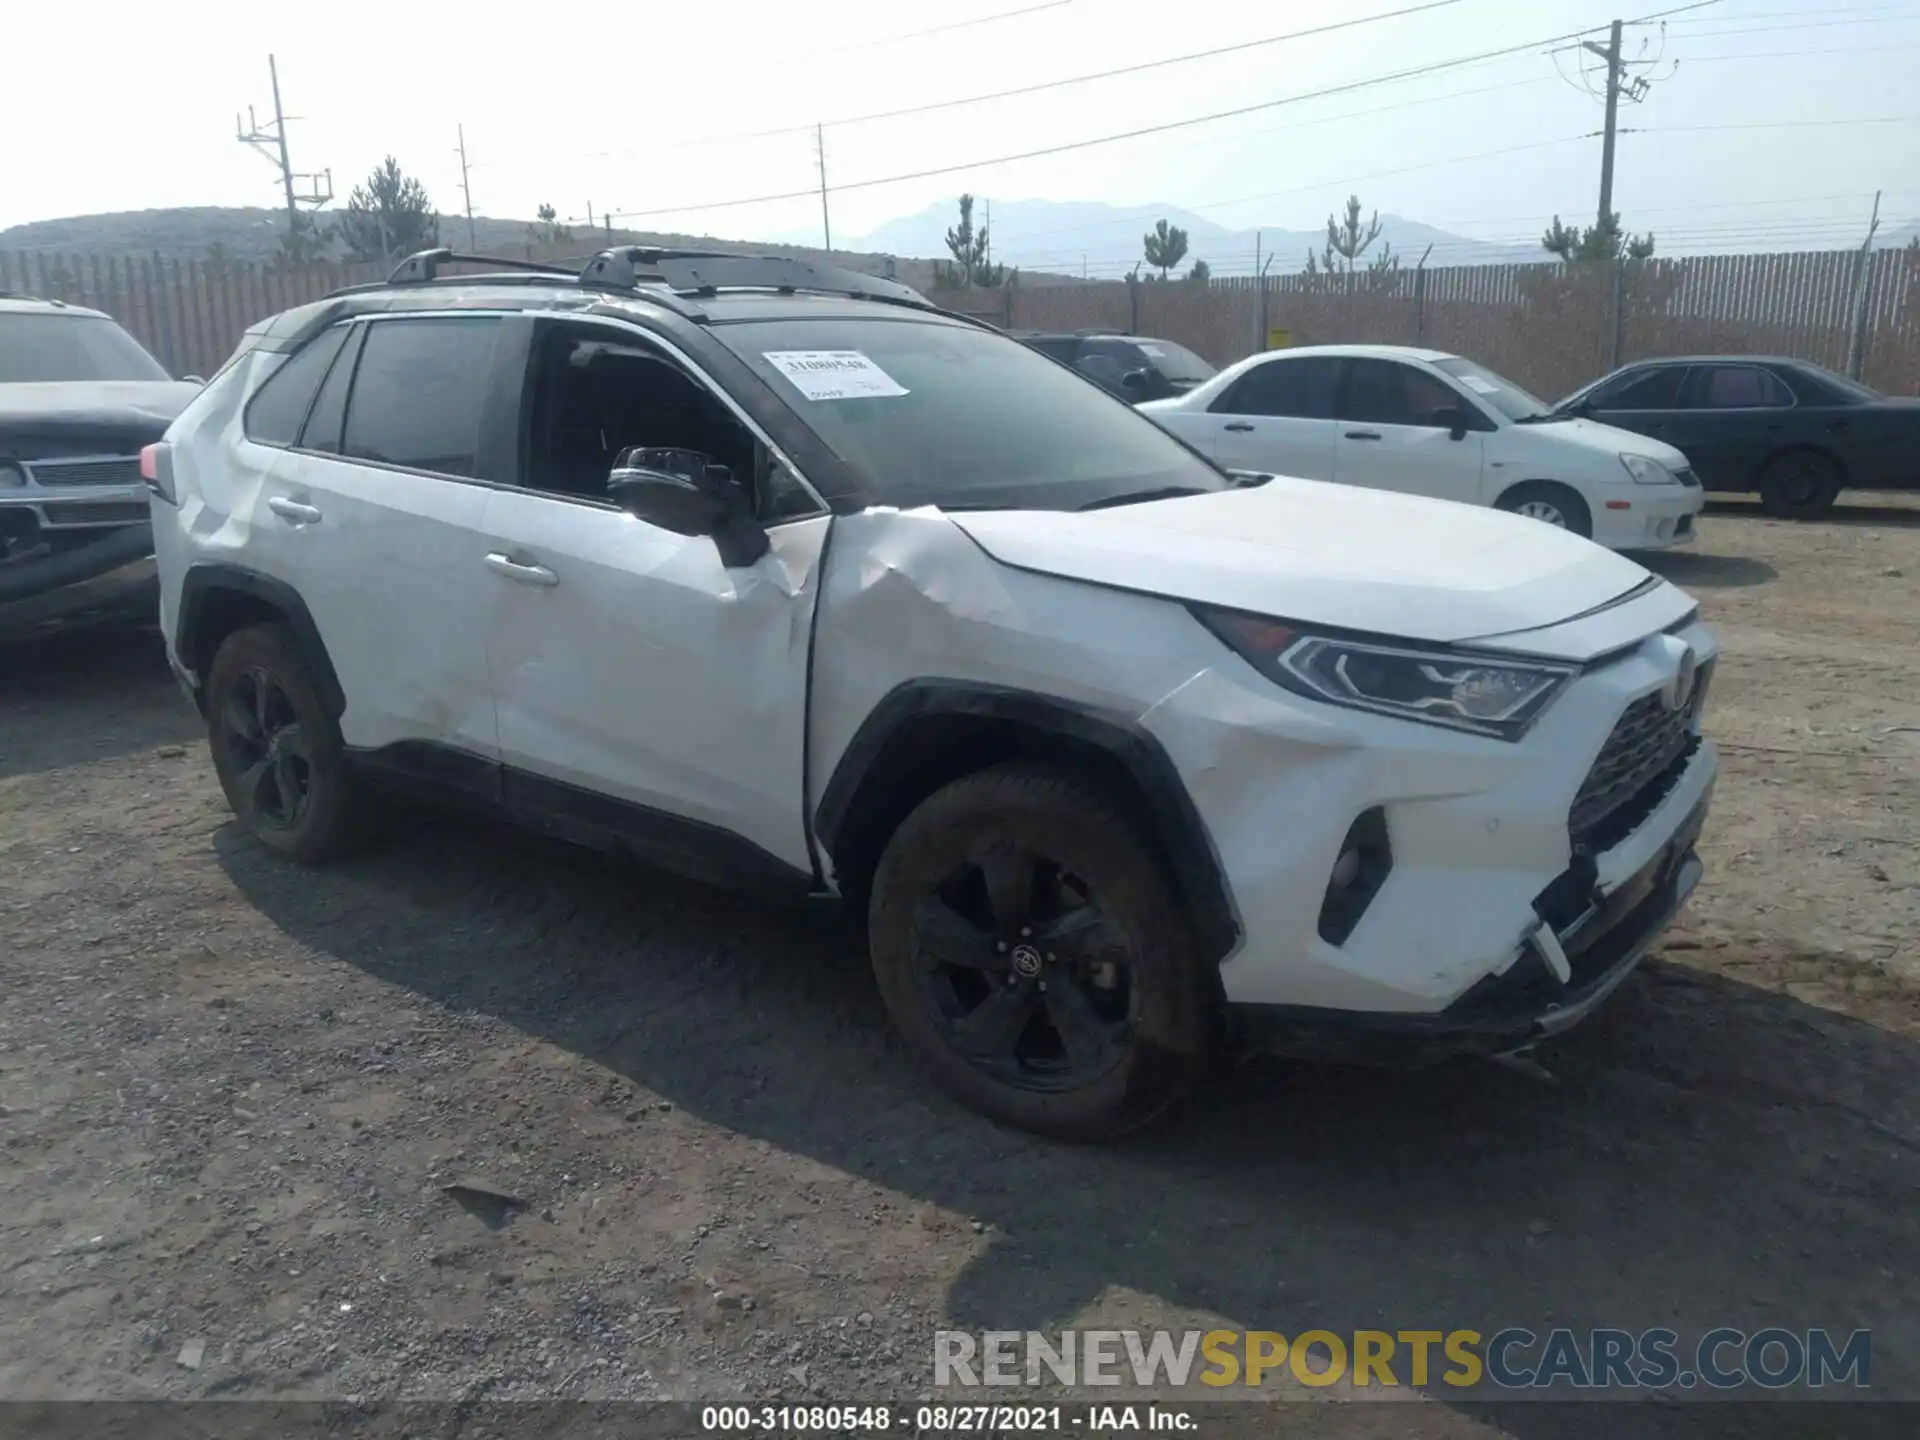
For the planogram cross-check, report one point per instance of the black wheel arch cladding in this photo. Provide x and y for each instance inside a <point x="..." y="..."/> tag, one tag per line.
<point x="927" y="733"/>
<point x="216" y="600"/>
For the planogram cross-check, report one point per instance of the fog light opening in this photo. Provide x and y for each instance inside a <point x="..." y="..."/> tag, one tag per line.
<point x="1359" y="870"/>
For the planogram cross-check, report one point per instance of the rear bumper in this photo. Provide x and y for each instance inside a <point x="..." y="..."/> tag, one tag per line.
<point x="1527" y="1002"/>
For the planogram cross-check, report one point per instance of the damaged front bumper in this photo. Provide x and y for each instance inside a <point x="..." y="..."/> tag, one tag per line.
<point x="1559" y="975"/>
<point x="109" y="579"/>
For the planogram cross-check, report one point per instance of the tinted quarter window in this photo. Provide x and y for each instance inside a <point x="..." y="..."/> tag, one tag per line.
<point x="1644" y="390"/>
<point x="1380" y="392"/>
<point x="1060" y="349"/>
<point x="275" y="414"/>
<point x="419" y="390"/>
<point x="1295" y="389"/>
<point x="1734" y="387"/>
<point x="329" y="413"/>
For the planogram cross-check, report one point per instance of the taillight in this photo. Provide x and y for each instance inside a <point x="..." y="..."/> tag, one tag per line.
<point x="156" y="468"/>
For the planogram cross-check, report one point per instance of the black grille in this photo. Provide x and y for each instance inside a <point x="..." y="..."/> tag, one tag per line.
<point x="73" y="512"/>
<point x="1636" y="769"/>
<point x="121" y="470"/>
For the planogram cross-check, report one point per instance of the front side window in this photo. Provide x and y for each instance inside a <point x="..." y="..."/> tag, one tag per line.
<point x="41" y="347"/>
<point x="1494" y="390"/>
<point x="1293" y="389"/>
<point x="1734" y="387"/>
<point x="419" y="391"/>
<point x="1384" y="392"/>
<point x="927" y="412"/>
<point x="279" y="408"/>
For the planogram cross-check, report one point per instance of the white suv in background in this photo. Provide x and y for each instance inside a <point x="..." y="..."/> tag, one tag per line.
<point x="1426" y="423"/>
<point x="783" y="577"/>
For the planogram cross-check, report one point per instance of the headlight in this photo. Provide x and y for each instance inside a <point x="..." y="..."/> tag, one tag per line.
<point x="1486" y="696"/>
<point x="1646" y="471"/>
<point x="11" y="475"/>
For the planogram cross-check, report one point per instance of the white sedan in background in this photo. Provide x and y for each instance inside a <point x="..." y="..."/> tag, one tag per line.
<point x="1422" y="422"/>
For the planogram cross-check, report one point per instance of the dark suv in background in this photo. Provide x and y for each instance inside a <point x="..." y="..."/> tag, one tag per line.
<point x="1134" y="367"/>
<point x="79" y="397"/>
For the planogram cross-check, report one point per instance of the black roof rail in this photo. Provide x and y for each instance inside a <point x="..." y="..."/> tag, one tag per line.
<point x="421" y="267"/>
<point x="707" y="272"/>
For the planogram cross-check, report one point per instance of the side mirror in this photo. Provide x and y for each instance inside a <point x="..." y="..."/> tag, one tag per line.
<point x="1136" y="383"/>
<point x="685" y="492"/>
<point x="1453" y="420"/>
<point x="194" y="379"/>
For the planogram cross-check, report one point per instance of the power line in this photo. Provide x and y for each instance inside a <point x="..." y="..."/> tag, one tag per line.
<point x="1433" y="67"/>
<point x="1138" y="69"/>
<point x="948" y="29"/>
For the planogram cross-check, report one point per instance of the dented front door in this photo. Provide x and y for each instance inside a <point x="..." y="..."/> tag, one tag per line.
<point x="630" y="665"/>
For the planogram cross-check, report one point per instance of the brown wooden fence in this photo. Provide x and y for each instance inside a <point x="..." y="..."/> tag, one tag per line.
<point x="1550" y="327"/>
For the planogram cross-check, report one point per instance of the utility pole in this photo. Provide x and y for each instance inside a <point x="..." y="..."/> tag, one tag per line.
<point x="271" y="142"/>
<point x="466" y="190"/>
<point x="1611" y="54"/>
<point x="1857" y="336"/>
<point x="986" y="234"/>
<point x="820" y="154"/>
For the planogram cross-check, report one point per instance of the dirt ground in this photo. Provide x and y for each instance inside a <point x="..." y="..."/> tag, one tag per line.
<point x="231" y="1092"/>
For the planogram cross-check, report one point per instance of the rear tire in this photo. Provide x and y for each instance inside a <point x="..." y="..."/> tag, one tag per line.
<point x="1551" y="504"/>
<point x="278" y="752"/>
<point x="1030" y="948"/>
<point x="1800" y="485"/>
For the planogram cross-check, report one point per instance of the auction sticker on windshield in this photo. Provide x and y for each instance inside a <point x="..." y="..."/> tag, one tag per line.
<point x="834" y="374"/>
<point x="1479" y="386"/>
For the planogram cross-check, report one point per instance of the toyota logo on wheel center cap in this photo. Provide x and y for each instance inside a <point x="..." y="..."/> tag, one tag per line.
<point x="1026" y="960"/>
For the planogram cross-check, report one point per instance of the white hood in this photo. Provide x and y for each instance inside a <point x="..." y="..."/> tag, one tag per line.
<point x="1604" y="440"/>
<point x="1329" y="555"/>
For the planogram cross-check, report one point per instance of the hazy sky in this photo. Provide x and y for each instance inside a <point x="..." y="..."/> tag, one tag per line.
<point x="646" y="115"/>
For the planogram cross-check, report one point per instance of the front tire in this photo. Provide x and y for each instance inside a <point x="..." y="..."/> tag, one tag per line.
<point x="1551" y="504"/>
<point x="1800" y="485"/>
<point x="278" y="752"/>
<point x="1030" y="948"/>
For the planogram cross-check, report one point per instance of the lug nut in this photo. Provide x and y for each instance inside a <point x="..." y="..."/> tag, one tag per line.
<point x="1025" y="932"/>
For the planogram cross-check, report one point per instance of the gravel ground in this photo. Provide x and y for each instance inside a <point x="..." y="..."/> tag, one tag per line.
<point x="233" y="1094"/>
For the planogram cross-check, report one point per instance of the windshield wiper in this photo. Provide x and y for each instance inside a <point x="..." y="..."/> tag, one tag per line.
<point x="1141" y="497"/>
<point x="1542" y="417"/>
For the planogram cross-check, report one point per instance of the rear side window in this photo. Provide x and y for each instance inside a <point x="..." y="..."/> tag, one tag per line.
<point x="1060" y="349"/>
<point x="1649" y="390"/>
<point x="418" y="392"/>
<point x="1734" y="387"/>
<point x="277" y="411"/>
<point x="1292" y="389"/>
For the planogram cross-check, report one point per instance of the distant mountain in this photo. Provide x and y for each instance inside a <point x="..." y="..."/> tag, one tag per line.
<point x="253" y="235"/>
<point x="1063" y="236"/>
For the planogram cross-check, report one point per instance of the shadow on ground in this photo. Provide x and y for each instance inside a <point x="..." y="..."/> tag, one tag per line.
<point x="1692" y="570"/>
<point x="1847" y="512"/>
<point x="1707" y="1154"/>
<point x="118" y="674"/>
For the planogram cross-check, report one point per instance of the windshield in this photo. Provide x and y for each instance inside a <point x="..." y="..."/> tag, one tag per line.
<point x="1495" y="390"/>
<point x="931" y="413"/>
<point x="54" y="347"/>
<point x="1177" y="364"/>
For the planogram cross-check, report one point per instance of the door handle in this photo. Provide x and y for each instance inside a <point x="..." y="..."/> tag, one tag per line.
<point x="1363" y="434"/>
<point x="525" y="574"/>
<point x="1238" y="427"/>
<point x="292" y="511"/>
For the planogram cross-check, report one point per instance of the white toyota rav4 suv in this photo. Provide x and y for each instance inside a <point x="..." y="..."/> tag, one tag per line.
<point x="782" y="576"/>
<point x="1426" y="423"/>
